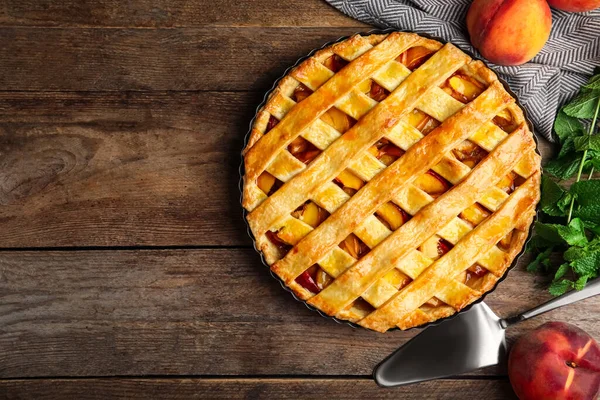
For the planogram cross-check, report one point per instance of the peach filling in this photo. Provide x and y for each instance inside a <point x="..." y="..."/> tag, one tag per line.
<point x="507" y="183"/>
<point x="475" y="214"/>
<point x="423" y="122"/>
<point x="504" y="244"/>
<point x="397" y="278"/>
<point x="314" y="279"/>
<point x="354" y="246"/>
<point x="392" y="216"/>
<point x="472" y="276"/>
<point x="432" y="183"/>
<point x="362" y="307"/>
<point x="311" y="214"/>
<point x="510" y="182"/>
<point x="268" y="183"/>
<point x="373" y="90"/>
<point x="335" y="63"/>
<point x="434" y="302"/>
<point x="469" y="153"/>
<point x="378" y="92"/>
<point x="338" y="120"/>
<point x="463" y="88"/>
<point x="303" y="150"/>
<point x="300" y="93"/>
<point x="414" y="57"/>
<point x="505" y="121"/>
<point x="386" y="152"/>
<point x="349" y="182"/>
<point x="334" y="117"/>
<point x="283" y="246"/>
<point x="271" y="124"/>
<point x="435" y="247"/>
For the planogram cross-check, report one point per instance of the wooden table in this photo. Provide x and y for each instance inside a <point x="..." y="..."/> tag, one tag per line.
<point x="125" y="269"/>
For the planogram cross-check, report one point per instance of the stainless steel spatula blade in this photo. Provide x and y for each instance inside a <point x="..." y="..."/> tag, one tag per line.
<point x="471" y="340"/>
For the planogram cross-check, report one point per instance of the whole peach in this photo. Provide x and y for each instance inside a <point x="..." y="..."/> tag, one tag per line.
<point x="556" y="361"/>
<point x="509" y="32"/>
<point x="575" y="5"/>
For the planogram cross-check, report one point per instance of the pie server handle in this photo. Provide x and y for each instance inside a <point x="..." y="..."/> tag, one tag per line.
<point x="590" y="290"/>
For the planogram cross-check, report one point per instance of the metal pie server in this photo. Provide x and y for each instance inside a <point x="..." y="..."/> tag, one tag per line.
<point x="471" y="340"/>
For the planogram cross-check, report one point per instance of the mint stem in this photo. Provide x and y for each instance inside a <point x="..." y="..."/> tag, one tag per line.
<point x="591" y="173"/>
<point x="583" y="158"/>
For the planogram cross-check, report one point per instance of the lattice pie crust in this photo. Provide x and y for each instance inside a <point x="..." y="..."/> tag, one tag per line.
<point x="390" y="180"/>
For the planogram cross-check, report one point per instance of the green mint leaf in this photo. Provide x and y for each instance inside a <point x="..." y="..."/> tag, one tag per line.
<point x="594" y="158"/>
<point x="541" y="258"/>
<point x="575" y="253"/>
<point x="567" y="127"/>
<point x="587" y="264"/>
<point x="555" y="200"/>
<point x="584" y="260"/>
<point x="560" y="287"/>
<point x="588" y="200"/>
<point x="538" y="243"/>
<point x="546" y="263"/>
<point x="593" y="83"/>
<point x="565" y="167"/>
<point x="564" y="203"/>
<point x="587" y="142"/>
<point x="548" y="232"/>
<point x="555" y="211"/>
<point x="561" y="271"/>
<point x="580" y="283"/>
<point x="574" y="233"/>
<point x="583" y="105"/>
<point x="588" y="213"/>
<point x="587" y="192"/>
<point x="592" y="226"/>
<point x="551" y="193"/>
<point x="567" y="147"/>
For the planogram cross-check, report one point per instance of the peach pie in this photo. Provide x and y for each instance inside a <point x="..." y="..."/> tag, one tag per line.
<point x="390" y="180"/>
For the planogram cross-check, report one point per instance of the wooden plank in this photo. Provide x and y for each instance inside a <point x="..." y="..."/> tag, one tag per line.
<point x="122" y="169"/>
<point x="194" y="312"/>
<point x="170" y="13"/>
<point x="230" y="389"/>
<point x="110" y="169"/>
<point x="211" y="58"/>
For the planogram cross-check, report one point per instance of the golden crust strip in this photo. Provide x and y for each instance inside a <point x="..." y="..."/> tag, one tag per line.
<point x="429" y="220"/>
<point x="459" y="258"/>
<point x="489" y="280"/>
<point x="371" y="127"/>
<point x="390" y="182"/>
<point x="260" y="155"/>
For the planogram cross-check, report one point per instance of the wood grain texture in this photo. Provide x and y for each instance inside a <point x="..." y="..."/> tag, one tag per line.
<point x="231" y="389"/>
<point x="198" y="312"/>
<point x="170" y="13"/>
<point x="121" y="124"/>
<point x="211" y="58"/>
<point x="122" y="169"/>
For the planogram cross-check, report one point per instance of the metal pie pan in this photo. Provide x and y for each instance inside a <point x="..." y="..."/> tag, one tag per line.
<point x="241" y="182"/>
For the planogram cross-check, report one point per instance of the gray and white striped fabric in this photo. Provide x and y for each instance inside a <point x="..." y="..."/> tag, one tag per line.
<point x="542" y="85"/>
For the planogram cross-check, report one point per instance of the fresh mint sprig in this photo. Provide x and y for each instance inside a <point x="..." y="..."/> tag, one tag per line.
<point x="570" y="216"/>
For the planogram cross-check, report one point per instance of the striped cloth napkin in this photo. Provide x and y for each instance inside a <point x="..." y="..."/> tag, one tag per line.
<point x="542" y="85"/>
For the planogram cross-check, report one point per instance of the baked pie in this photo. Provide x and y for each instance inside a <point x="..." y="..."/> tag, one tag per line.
<point x="390" y="180"/>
